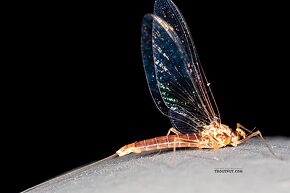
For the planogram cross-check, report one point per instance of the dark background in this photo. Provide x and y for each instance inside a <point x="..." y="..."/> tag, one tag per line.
<point x="78" y="91"/>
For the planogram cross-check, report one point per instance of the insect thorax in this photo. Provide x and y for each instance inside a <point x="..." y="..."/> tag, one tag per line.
<point x="215" y="135"/>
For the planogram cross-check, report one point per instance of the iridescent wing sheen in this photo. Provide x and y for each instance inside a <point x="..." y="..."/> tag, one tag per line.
<point x="182" y="121"/>
<point x="165" y="64"/>
<point x="168" y="11"/>
<point x="148" y="63"/>
<point x="172" y="69"/>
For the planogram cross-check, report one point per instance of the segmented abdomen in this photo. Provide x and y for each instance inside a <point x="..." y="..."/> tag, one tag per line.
<point x="169" y="141"/>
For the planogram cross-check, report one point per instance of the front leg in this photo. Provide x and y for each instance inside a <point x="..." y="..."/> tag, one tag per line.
<point x="240" y="126"/>
<point x="264" y="141"/>
<point x="250" y="136"/>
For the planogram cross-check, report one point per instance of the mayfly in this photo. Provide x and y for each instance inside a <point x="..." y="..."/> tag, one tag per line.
<point x="179" y="87"/>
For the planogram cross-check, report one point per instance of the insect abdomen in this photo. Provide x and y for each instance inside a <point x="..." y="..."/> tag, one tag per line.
<point x="165" y="142"/>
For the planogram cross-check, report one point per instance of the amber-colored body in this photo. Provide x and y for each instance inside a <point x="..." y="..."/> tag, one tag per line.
<point x="213" y="136"/>
<point x="156" y="143"/>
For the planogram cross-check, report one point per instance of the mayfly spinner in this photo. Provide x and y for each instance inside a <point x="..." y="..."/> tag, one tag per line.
<point x="179" y="87"/>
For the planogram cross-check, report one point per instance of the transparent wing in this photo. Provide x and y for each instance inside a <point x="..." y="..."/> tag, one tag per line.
<point x="166" y="64"/>
<point x="148" y="63"/>
<point x="179" y="119"/>
<point x="168" y="11"/>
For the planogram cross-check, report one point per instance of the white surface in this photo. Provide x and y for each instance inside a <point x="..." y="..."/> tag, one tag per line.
<point x="189" y="170"/>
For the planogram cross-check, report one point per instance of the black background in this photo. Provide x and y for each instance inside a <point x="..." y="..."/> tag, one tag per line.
<point x="78" y="91"/>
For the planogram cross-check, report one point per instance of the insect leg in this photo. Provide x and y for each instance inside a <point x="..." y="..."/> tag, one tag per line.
<point x="264" y="141"/>
<point x="191" y="144"/>
<point x="182" y="140"/>
<point x="244" y="128"/>
<point x="178" y="139"/>
<point x="173" y="130"/>
<point x="250" y="136"/>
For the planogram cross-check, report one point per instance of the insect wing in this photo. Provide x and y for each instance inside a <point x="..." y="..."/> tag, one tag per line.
<point x="165" y="64"/>
<point x="148" y="63"/>
<point x="168" y="11"/>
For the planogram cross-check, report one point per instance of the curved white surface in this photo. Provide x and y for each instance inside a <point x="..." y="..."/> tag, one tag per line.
<point x="188" y="170"/>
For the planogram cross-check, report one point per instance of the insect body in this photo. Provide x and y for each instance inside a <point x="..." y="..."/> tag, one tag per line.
<point x="213" y="136"/>
<point x="179" y="87"/>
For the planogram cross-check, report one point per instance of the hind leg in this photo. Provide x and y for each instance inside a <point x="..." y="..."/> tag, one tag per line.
<point x="173" y="130"/>
<point x="178" y="140"/>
